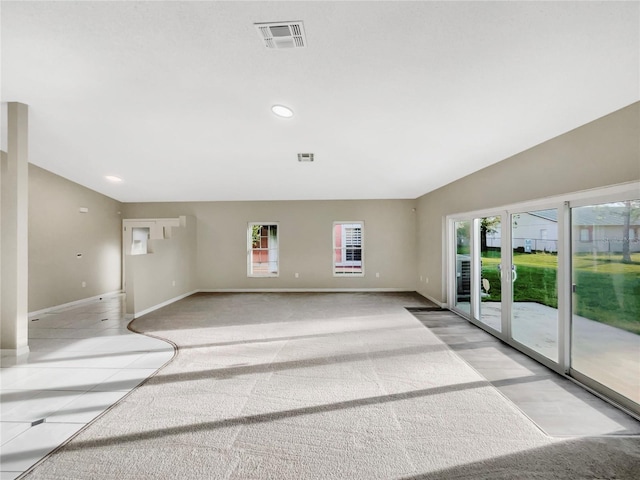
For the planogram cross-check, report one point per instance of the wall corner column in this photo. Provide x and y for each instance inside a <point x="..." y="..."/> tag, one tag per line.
<point x="14" y="241"/>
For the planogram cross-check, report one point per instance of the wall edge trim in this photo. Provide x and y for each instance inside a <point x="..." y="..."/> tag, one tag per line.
<point x="14" y="352"/>
<point x="432" y="299"/>
<point x="299" y="290"/>
<point x="75" y="303"/>
<point x="163" y="304"/>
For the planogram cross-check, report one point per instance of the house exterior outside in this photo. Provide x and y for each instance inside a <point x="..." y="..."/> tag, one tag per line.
<point x="535" y="231"/>
<point x="599" y="230"/>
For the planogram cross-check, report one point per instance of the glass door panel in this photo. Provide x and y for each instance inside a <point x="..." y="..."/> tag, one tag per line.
<point x="489" y="287"/>
<point x="534" y="272"/>
<point x="605" y="333"/>
<point x="463" y="266"/>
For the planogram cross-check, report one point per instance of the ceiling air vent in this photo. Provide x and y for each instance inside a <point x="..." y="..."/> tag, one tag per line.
<point x="282" y="34"/>
<point x="305" y="157"/>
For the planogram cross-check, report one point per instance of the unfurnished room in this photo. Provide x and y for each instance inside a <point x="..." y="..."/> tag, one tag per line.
<point x="345" y="240"/>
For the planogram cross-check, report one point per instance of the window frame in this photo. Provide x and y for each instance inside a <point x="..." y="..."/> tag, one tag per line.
<point x="251" y="249"/>
<point x="343" y="248"/>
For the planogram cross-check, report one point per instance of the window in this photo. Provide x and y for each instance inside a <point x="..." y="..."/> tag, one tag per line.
<point x="347" y="249"/>
<point x="585" y="235"/>
<point x="262" y="250"/>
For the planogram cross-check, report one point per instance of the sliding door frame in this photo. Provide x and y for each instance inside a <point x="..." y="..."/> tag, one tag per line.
<point x="591" y="384"/>
<point x="563" y="204"/>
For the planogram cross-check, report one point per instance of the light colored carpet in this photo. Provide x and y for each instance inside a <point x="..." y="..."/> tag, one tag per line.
<point x="319" y="386"/>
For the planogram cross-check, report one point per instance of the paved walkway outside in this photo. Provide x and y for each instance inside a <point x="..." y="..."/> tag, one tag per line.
<point x="609" y="355"/>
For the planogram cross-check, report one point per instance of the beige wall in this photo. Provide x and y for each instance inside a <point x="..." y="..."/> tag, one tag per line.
<point x="603" y="152"/>
<point x="58" y="232"/>
<point x="305" y="241"/>
<point x="167" y="273"/>
<point x="400" y="244"/>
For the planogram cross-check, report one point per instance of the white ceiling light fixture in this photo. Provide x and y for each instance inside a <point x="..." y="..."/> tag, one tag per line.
<point x="282" y="34"/>
<point x="113" y="178"/>
<point x="282" y="111"/>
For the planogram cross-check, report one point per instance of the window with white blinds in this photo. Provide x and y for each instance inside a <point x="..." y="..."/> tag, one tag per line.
<point x="348" y="249"/>
<point x="262" y="249"/>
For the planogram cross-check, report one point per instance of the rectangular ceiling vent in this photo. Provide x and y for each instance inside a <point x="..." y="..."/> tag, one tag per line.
<point x="282" y="34"/>
<point x="305" y="157"/>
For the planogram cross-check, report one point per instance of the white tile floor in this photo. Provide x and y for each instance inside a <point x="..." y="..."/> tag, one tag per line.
<point x="556" y="404"/>
<point x="82" y="360"/>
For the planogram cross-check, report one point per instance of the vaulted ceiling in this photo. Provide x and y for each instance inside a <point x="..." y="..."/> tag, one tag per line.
<point x="394" y="99"/>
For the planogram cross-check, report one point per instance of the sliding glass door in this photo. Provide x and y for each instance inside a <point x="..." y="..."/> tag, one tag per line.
<point x="560" y="281"/>
<point x="507" y="277"/>
<point x="605" y="326"/>
<point x="488" y="286"/>
<point x="534" y="273"/>
<point x="462" y="284"/>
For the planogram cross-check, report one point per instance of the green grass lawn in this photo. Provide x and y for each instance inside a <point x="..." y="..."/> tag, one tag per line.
<point x="606" y="289"/>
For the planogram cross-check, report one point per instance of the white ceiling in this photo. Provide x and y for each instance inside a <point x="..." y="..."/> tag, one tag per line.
<point x="394" y="99"/>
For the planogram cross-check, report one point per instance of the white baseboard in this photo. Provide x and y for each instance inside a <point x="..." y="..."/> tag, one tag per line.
<point x="74" y="303"/>
<point x="163" y="304"/>
<point x="221" y="290"/>
<point x="262" y="290"/>
<point x="301" y="290"/>
<point x="14" y="352"/>
<point x="431" y="299"/>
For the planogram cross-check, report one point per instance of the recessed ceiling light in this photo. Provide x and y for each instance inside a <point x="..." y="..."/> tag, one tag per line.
<point x="113" y="179"/>
<point x="282" y="111"/>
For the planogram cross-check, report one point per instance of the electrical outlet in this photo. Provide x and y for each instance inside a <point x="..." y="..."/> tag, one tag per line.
<point x="173" y="283"/>
<point x="377" y="274"/>
<point x="426" y="280"/>
<point x="296" y="275"/>
<point x="84" y="284"/>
